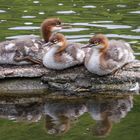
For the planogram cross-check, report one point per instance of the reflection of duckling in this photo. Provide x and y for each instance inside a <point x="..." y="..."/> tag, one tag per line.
<point x="59" y="115"/>
<point x="107" y="56"/>
<point x="108" y="111"/>
<point x="23" y="51"/>
<point x="57" y="57"/>
<point x="103" y="127"/>
<point x="59" y="126"/>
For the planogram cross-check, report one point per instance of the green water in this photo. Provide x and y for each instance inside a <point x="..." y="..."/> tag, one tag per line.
<point x="114" y="118"/>
<point x="118" y="19"/>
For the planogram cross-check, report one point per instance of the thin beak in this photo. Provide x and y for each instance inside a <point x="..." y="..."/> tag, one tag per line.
<point x="58" y="25"/>
<point x="88" y="45"/>
<point x="49" y="44"/>
<point x="65" y="26"/>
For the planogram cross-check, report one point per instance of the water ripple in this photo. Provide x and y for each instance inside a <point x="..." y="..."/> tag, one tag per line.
<point x="85" y="38"/>
<point x="1" y="21"/>
<point x="102" y="21"/>
<point x="41" y="13"/>
<point x="108" y="26"/>
<point x="24" y="28"/>
<point x="25" y="11"/>
<point x="74" y="29"/>
<point x="123" y="36"/>
<point x="136" y="30"/>
<point x="66" y="12"/>
<point x="36" y="2"/>
<point x="28" y="23"/>
<point x="60" y="4"/>
<point x="135" y="12"/>
<point x="77" y="36"/>
<point x="89" y="6"/>
<point x="22" y="36"/>
<point x="2" y="11"/>
<point x="28" y="17"/>
<point x="121" y="5"/>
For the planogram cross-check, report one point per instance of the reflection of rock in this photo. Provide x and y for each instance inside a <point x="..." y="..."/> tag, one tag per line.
<point x="21" y="112"/>
<point x="60" y="114"/>
<point x="105" y="111"/>
<point x="108" y="111"/>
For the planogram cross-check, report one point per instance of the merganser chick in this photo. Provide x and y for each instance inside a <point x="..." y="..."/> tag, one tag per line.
<point x="107" y="56"/>
<point x="49" y="27"/>
<point x="57" y="58"/>
<point x="74" y="49"/>
<point x="24" y="51"/>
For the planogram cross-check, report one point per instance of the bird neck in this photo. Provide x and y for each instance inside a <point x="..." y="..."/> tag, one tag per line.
<point x="104" y="49"/>
<point x="61" y="49"/>
<point x="54" y="49"/>
<point x="47" y="33"/>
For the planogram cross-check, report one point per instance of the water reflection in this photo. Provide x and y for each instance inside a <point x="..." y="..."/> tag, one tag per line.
<point x="28" y="16"/>
<point x="121" y="5"/>
<point x="35" y="2"/>
<point x="60" y="115"/>
<point x="24" y="28"/>
<point x="107" y="112"/>
<point x="30" y="112"/>
<point x="108" y="26"/>
<point x="89" y="6"/>
<point x="22" y="36"/>
<point x="135" y="12"/>
<point x="66" y="12"/>
<point x="2" y="11"/>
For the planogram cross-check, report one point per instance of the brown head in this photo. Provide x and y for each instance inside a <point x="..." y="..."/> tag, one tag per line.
<point x="103" y="127"/>
<point x="49" y="26"/>
<point x="60" y="40"/>
<point x="99" y="41"/>
<point x="59" y="127"/>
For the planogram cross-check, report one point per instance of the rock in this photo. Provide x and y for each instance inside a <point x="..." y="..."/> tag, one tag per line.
<point x="76" y="80"/>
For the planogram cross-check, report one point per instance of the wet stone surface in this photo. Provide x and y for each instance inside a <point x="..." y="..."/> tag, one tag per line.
<point x="75" y="79"/>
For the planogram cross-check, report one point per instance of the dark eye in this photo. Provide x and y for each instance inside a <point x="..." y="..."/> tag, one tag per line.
<point x="96" y="42"/>
<point x="55" y="41"/>
<point x="58" y="23"/>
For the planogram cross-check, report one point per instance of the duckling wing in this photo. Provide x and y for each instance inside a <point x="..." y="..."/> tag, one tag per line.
<point x="118" y="54"/>
<point x="68" y="59"/>
<point x="120" y="51"/>
<point x="7" y="52"/>
<point x="22" y="47"/>
<point x="76" y="51"/>
<point x="7" y="46"/>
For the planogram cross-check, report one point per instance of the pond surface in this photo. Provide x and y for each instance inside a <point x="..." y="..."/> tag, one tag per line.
<point x="40" y="118"/>
<point x="116" y="19"/>
<point x="98" y="117"/>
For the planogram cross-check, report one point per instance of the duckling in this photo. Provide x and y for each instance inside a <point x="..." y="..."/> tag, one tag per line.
<point x="57" y="58"/>
<point x="107" y="56"/>
<point x="24" y="51"/>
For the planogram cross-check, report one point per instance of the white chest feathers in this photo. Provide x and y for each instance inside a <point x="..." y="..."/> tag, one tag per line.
<point x="93" y="65"/>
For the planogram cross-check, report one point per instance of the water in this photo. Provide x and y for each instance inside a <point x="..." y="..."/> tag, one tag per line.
<point x="119" y="20"/>
<point x="72" y="119"/>
<point x="97" y="117"/>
